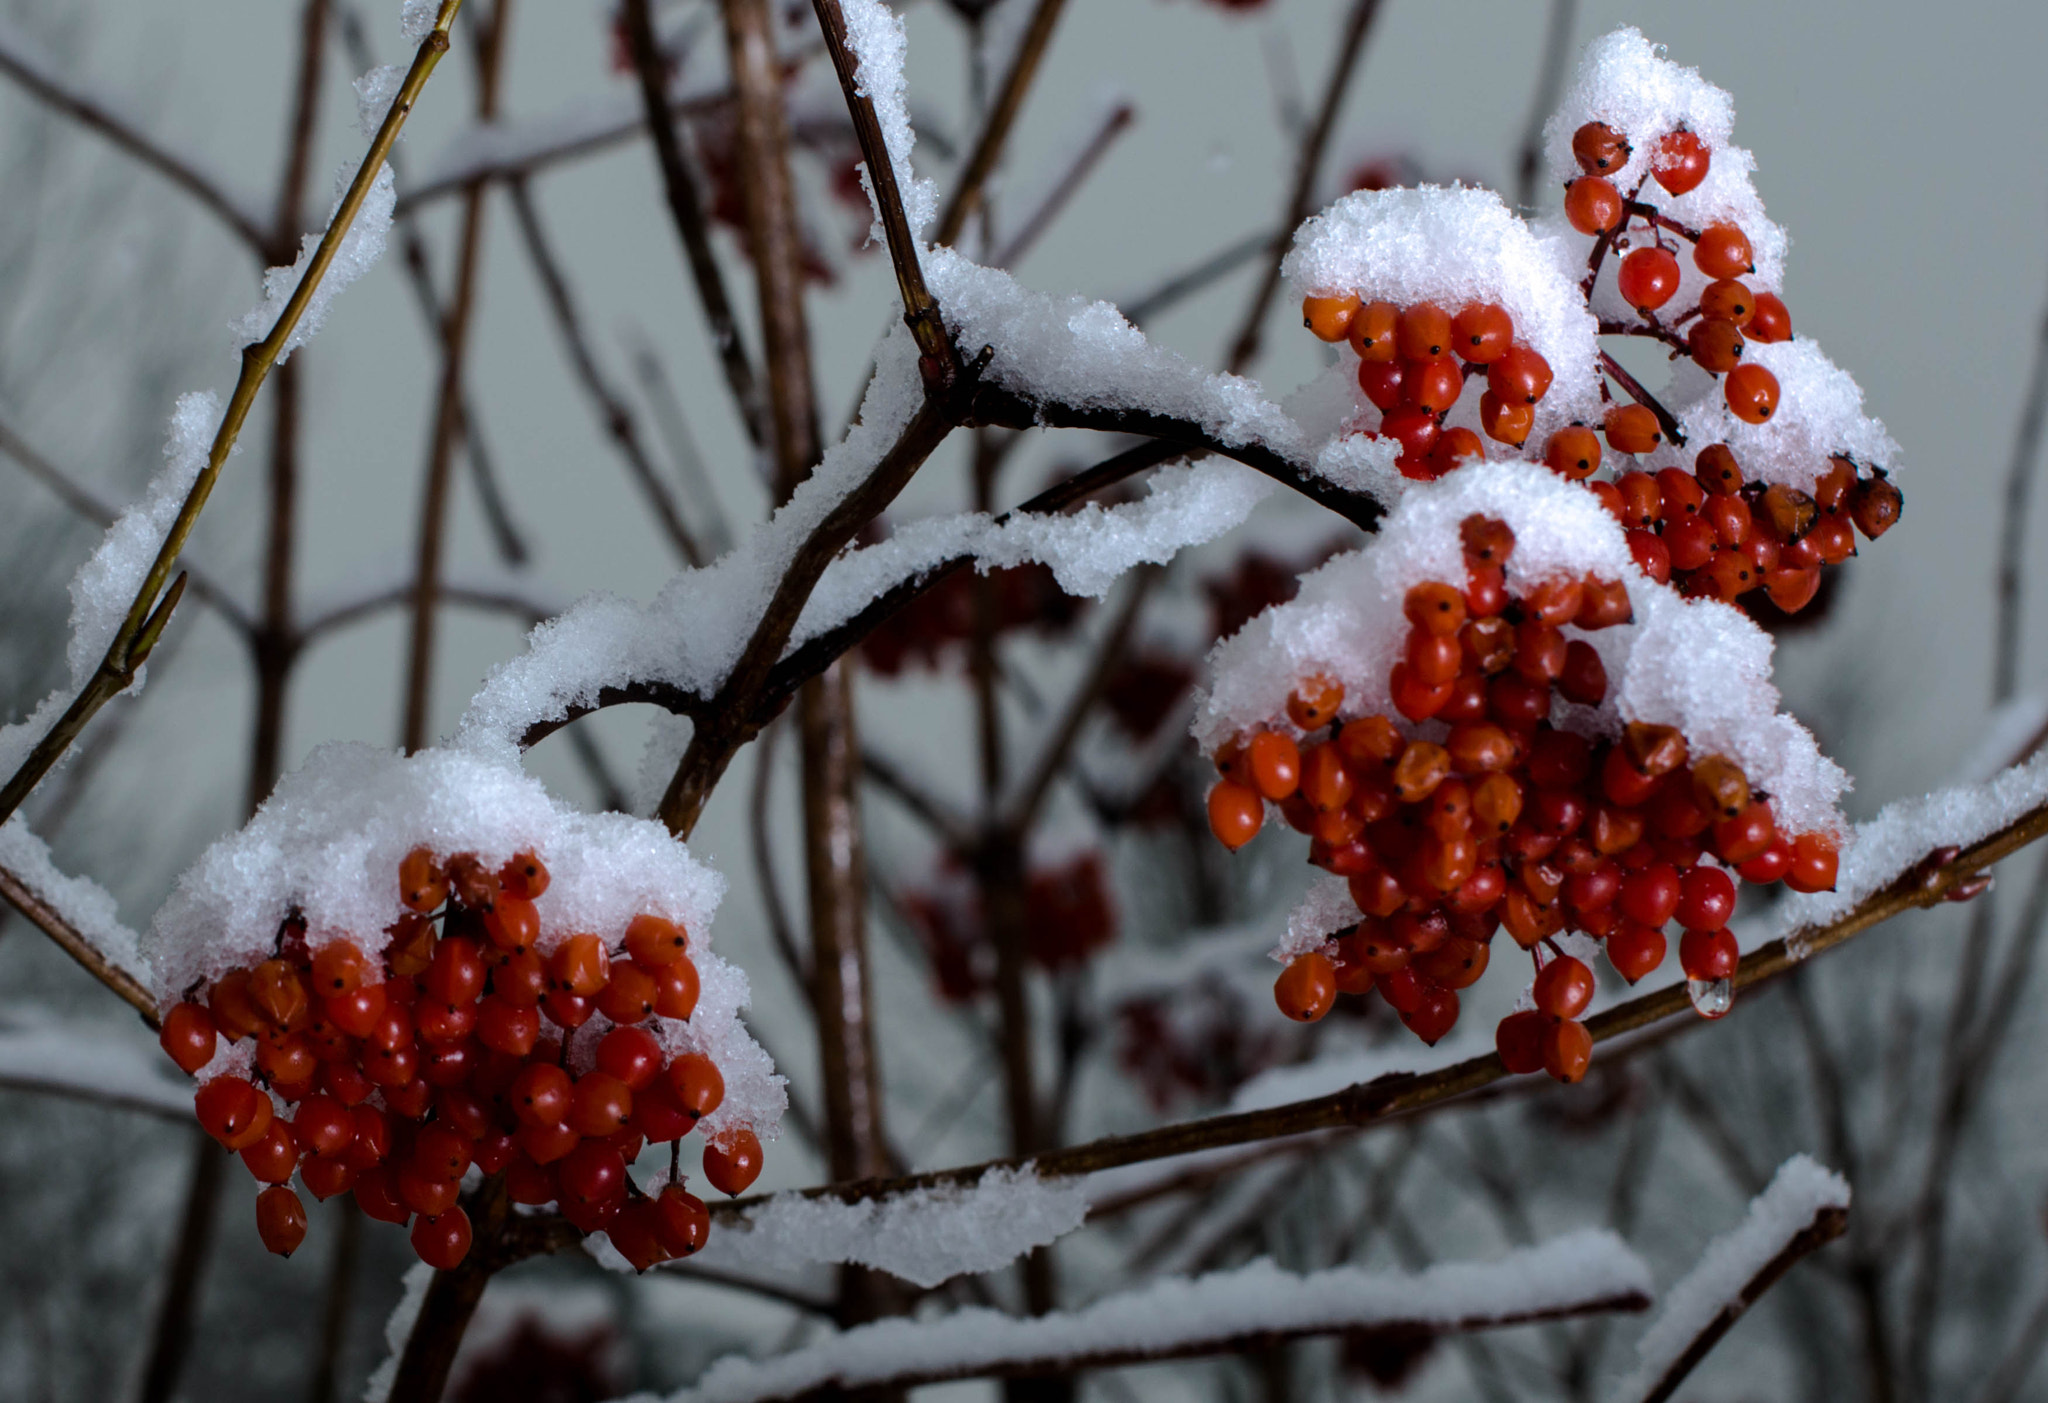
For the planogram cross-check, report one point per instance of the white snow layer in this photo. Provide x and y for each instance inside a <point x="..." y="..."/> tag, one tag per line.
<point x="1797" y="1192"/>
<point x="1063" y="349"/>
<point x="85" y="906"/>
<point x="1453" y="246"/>
<point x="875" y="34"/>
<point x="327" y="844"/>
<point x="924" y="1237"/>
<point x="1180" y="1314"/>
<point x="1698" y="665"/>
<point x="416" y="19"/>
<point x="360" y="248"/>
<point x="397" y="1329"/>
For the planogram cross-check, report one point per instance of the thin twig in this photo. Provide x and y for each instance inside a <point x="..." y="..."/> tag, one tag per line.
<point x="1557" y="44"/>
<point x="761" y="841"/>
<point x="1666" y="420"/>
<point x="947" y="826"/>
<point x="145" y="620"/>
<point x="2012" y="534"/>
<point x="1827" y="1224"/>
<point x="78" y="946"/>
<point x="686" y="209"/>
<point x="611" y="407"/>
<point x="1002" y="116"/>
<point x="1209" y="271"/>
<point x="682" y="444"/>
<point x="36" y="75"/>
<point x="1308" y="163"/>
<point x="938" y="362"/>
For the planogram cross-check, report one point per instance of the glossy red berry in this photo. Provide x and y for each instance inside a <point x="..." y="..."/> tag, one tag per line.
<point x="1519" y="377"/>
<point x="1574" y="452"/>
<point x="732" y="1164"/>
<point x="1751" y="392"/>
<point x="600" y="1105"/>
<point x="683" y="1222"/>
<point x="442" y="1242"/>
<point x="1635" y="950"/>
<point x="1708" y="954"/>
<point x="1723" y="252"/>
<point x="524" y="877"/>
<point x="272" y="1157"/>
<point x="541" y="1094"/>
<point x="1769" y="321"/>
<point x="1715" y="344"/>
<point x="1236" y="813"/>
<point x="1680" y="162"/>
<point x="580" y="965"/>
<point x="1648" y="278"/>
<point x="1329" y="318"/>
<point x="1482" y="332"/>
<point x="1592" y="205"/>
<point x="1372" y="329"/>
<point x="422" y="882"/>
<point x="1307" y="987"/>
<point x="280" y="1220"/>
<point x="1519" y="1040"/>
<point x="1631" y="428"/>
<point x="1815" y="862"/>
<point x="1567" y="1051"/>
<point x="188" y="1034"/>
<point x="1423" y="332"/>
<point x="233" y="1111"/>
<point x="1706" y="899"/>
<point x="512" y="923"/>
<point x="1598" y="147"/>
<point x="675" y="989"/>
<point x="1564" y="987"/>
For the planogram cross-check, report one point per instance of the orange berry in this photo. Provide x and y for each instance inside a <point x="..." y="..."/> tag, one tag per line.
<point x="1567" y="1050"/>
<point x="1770" y="321"/>
<point x="280" y="1220"/>
<point x="1329" y="317"/>
<point x="1592" y="205"/>
<point x="1372" y="329"/>
<point x="188" y="1037"/>
<point x="1680" y="162"/>
<point x="1752" y="392"/>
<point x="513" y="923"/>
<point x="1574" y="452"/>
<point x="422" y="883"/>
<point x="1423" y="332"/>
<point x="1728" y="299"/>
<point x="652" y="941"/>
<point x="580" y="965"/>
<point x="675" y="989"/>
<point x="733" y="1163"/>
<point x="1307" y="987"/>
<point x="1313" y="704"/>
<point x="1505" y="423"/>
<point x="1599" y="147"/>
<point x="1274" y="763"/>
<point x="1716" y="345"/>
<point x="1723" y="252"/>
<point x="1236" y="813"/>
<point x="525" y="876"/>
<point x="1482" y="332"/>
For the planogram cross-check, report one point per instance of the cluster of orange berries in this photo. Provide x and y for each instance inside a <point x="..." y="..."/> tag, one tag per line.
<point x="1729" y="313"/>
<point x="452" y="1050"/>
<point x="1508" y="821"/>
<point x="1412" y="364"/>
<point x="1713" y="534"/>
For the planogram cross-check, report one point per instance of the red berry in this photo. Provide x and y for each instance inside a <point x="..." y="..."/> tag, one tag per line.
<point x="513" y="923"/>
<point x="273" y="1156"/>
<point x="1307" y="987"/>
<point x="1382" y="381"/>
<point x="630" y="1054"/>
<point x="541" y="1095"/>
<point x="1329" y="318"/>
<point x="324" y="1177"/>
<point x="1708" y="954"/>
<point x="653" y="941"/>
<point x="442" y="1242"/>
<point x="1423" y="331"/>
<point x="600" y="1105"/>
<point x="1434" y="1016"/>
<point x="1716" y="345"/>
<point x="323" y="1125"/>
<point x="697" y="1085"/>
<point x="188" y="1035"/>
<point x="1635" y="950"/>
<point x="529" y="1183"/>
<point x="1372" y="329"/>
<point x="1631" y="428"/>
<point x="1739" y="839"/>
<point x="675" y="989"/>
<point x="1651" y="895"/>
<point x="422" y="883"/>
<point x="1769" y="321"/>
<point x="1574" y="452"/>
<point x="546" y="1144"/>
<point x="1599" y="147"/>
<point x="1519" y="1041"/>
<point x="1651" y="555"/>
<point x="1592" y="205"/>
<point x="338" y="967"/>
<point x="1236" y="812"/>
<point x="1751" y="392"/>
<point x="1520" y="377"/>
<point x="1723" y="252"/>
<point x="1814" y="863"/>
<point x="1482" y="332"/>
<point x="521" y="980"/>
<point x="591" y="1173"/>
<point x="442" y="1152"/>
<point x="507" y="1028"/>
<point x="1648" y="278"/>
<point x="630" y="995"/>
<point x="358" y="1011"/>
<point x="733" y="1163"/>
<point x="524" y="877"/>
<point x="280" y="1220"/>
<point x="1564" y="987"/>
<point x="683" y="1222"/>
<point x="456" y="974"/>
<point x="1680" y="162"/>
<point x="233" y="1111"/>
<point x="1567" y="1050"/>
<point x="372" y="1142"/>
<point x="424" y="1192"/>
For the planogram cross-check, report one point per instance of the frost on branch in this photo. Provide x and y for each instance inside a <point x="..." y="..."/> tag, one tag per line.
<point x="1202" y="1315"/>
<point x="875" y="34"/>
<point x="925" y="1237"/>
<point x="361" y="247"/>
<point x="328" y="842"/>
<point x="1797" y="1195"/>
<point x="1048" y="349"/>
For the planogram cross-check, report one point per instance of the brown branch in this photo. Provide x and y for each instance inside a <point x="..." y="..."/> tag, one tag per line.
<point x="1308" y="162"/>
<point x="761" y="844"/>
<point x="33" y="73"/>
<point x="1209" y="271"/>
<point x="2012" y="536"/>
<point x="171" y="1332"/>
<point x="948" y="827"/>
<point x="1068" y="185"/>
<point x="1647" y="331"/>
<point x="686" y="209"/>
<point x="1557" y="46"/>
<point x="1665" y="419"/>
<point x="1828" y="1223"/>
<point x="78" y="946"/>
<point x="1401" y="1094"/>
<point x="1002" y="117"/>
<point x="938" y="362"/>
<point x="611" y="407"/>
<point x="147" y="616"/>
<point x="674" y="427"/>
<point x="452" y="1297"/>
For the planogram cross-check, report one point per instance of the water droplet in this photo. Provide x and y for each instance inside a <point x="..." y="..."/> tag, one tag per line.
<point x="1711" y="998"/>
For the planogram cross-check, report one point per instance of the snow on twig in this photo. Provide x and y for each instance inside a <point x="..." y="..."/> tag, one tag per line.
<point x="1804" y="1207"/>
<point x="1256" y="1304"/>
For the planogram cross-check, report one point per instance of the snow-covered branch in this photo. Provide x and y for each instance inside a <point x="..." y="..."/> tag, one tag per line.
<point x="78" y="915"/>
<point x="23" y="61"/>
<point x="1255" y="1306"/>
<point x="90" y="1062"/>
<point x="1804" y="1208"/>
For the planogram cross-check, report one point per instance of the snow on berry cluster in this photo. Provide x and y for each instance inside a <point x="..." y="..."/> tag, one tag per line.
<point x="405" y="967"/>
<point x="1745" y="475"/>
<point x="1491" y="718"/>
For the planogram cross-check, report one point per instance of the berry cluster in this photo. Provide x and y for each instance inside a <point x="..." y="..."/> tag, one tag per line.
<point x="1508" y="821"/>
<point x="453" y="1049"/>
<point x="1412" y="365"/>
<point x="1712" y="533"/>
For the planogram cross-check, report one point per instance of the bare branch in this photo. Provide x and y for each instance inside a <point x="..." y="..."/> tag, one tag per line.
<point x="2012" y="536"/>
<point x="937" y="359"/>
<point x="686" y="208"/>
<point x="1307" y="164"/>
<point x="1114" y="124"/>
<point x="35" y="73"/>
<point x="117" y="670"/>
<point x="77" y="945"/>
<point x="1002" y="116"/>
<point x="1209" y="271"/>
<point x="1557" y="44"/>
